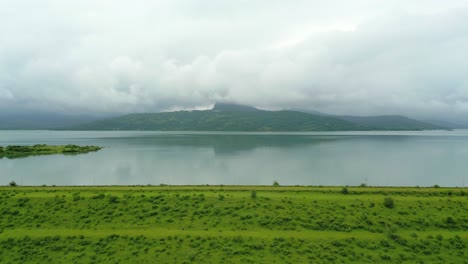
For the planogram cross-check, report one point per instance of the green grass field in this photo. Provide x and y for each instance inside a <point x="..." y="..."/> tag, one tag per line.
<point x="233" y="224"/>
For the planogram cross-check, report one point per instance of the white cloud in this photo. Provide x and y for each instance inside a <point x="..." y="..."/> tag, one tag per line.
<point x="353" y="57"/>
<point x="5" y="94"/>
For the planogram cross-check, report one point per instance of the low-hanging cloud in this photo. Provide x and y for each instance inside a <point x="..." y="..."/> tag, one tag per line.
<point x="109" y="56"/>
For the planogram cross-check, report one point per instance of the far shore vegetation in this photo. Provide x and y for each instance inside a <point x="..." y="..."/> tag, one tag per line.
<point x="12" y="152"/>
<point x="233" y="224"/>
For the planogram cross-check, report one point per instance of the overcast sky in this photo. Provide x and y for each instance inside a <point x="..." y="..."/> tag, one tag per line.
<point x="358" y="57"/>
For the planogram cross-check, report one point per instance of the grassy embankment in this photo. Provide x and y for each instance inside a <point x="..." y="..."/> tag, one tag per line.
<point x="12" y="152"/>
<point x="233" y="224"/>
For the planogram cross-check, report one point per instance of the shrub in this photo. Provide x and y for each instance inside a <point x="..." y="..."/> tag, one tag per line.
<point x="344" y="190"/>
<point x="253" y="194"/>
<point x="450" y="221"/>
<point x="391" y="232"/>
<point x="276" y="183"/>
<point x="113" y="199"/>
<point x="98" y="196"/>
<point x="76" y="197"/>
<point x="388" y="202"/>
<point x="436" y="186"/>
<point x="13" y="184"/>
<point x="221" y="197"/>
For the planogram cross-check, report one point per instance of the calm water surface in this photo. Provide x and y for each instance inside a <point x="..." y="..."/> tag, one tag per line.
<point x="332" y="158"/>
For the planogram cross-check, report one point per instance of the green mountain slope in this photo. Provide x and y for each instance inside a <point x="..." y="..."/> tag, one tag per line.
<point x="387" y="122"/>
<point x="219" y="120"/>
<point x="234" y="117"/>
<point x="390" y="122"/>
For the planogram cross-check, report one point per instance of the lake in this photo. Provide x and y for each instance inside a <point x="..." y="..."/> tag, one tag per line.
<point x="419" y="158"/>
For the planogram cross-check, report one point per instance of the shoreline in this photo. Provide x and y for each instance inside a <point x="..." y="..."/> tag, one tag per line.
<point x="243" y="187"/>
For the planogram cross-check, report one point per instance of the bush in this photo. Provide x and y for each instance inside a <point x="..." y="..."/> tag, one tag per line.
<point x="450" y="221"/>
<point x="253" y="194"/>
<point x="344" y="190"/>
<point x="98" y="196"/>
<point x="13" y="184"/>
<point x="436" y="186"/>
<point x="113" y="199"/>
<point x="276" y="183"/>
<point x="76" y="197"/>
<point x="388" y="202"/>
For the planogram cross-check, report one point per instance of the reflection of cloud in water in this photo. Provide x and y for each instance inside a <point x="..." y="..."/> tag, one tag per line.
<point x="229" y="144"/>
<point x="123" y="173"/>
<point x="248" y="159"/>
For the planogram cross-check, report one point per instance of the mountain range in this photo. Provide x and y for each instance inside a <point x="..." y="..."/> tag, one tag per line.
<point x="222" y="117"/>
<point x="42" y="120"/>
<point x="235" y="117"/>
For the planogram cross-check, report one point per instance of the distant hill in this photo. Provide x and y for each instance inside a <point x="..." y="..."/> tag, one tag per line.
<point x="37" y="121"/>
<point x="390" y="122"/>
<point x="223" y="118"/>
<point x="387" y="122"/>
<point x="449" y="124"/>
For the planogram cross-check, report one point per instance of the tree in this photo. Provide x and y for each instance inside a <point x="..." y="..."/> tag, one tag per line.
<point x="13" y="184"/>
<point x="276" y="183"/>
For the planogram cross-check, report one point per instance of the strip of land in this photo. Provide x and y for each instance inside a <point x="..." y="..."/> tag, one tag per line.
<point x="12" y="152"/>
<point x="232" y="224"/>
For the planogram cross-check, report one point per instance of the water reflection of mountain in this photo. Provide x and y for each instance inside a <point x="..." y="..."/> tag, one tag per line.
<point x="232" y="144"/>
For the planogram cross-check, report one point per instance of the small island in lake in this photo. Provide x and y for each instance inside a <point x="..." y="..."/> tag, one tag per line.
<point x="12" y="152"/>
